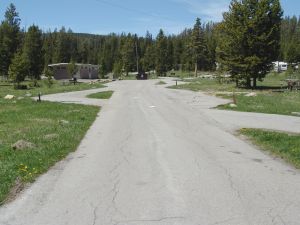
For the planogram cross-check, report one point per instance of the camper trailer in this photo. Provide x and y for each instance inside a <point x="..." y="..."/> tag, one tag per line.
<point x="280" y="66"/>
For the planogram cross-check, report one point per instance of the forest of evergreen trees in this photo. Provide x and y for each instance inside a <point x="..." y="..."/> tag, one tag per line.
<point x="29" y="52"/>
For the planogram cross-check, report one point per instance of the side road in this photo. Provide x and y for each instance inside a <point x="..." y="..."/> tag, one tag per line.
<point x="76" y="97"/>
<point x="156" y="156"/>
<point x="230" y="120"/>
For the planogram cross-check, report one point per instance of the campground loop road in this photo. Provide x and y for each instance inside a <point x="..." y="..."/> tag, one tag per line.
<point x="156" y="156"/>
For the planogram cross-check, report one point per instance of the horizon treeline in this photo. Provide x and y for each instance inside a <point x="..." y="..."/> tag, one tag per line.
<point x="123" y="52"/>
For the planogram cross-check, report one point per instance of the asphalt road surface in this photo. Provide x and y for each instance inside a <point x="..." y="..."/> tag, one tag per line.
<point x="156" y="156"/>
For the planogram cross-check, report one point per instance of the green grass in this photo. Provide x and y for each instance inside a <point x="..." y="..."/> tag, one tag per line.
<point x="268" y="102"/>
<point x="101" y="95"/>
<point x="271" y="81"/>
<point x="207" y="85"/>
<point x="283" y="145"/>
<point x="181" y="74"/>
<point x="31" y="121"/>
<point x="57" y="87"/>
<point x="161" y="83"/>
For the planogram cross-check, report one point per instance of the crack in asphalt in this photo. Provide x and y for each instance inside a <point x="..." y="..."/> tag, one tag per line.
<point x="115" y="167"/>
<point x="151" y="220"/>
<point x="274" y="217"/>
<point x="228" y="174"/>
<point x="223" y="221"/>
<point x="232" y="185"/>
<point x="115" y="191"/>
<point x="95" y="215"/>
<point x="278" y="215"/>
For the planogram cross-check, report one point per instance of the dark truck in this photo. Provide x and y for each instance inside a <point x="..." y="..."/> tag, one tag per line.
<point x="142" y="76"/>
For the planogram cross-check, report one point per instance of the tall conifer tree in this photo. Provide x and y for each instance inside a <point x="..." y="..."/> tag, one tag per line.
<point x="161" y="50"/>
<point x="197" y="46"/>
<point x="250" y="38"/>
<point x="9" y="38"/>
<point x="33" y="52"/>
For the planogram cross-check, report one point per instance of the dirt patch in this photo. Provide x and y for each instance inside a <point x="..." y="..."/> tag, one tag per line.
<point x="21" y="145"/>
<point x="75" y="111"/>
<point x="42" y="120"/>
<point x="17" y="188"/>
<point x="51" y="136"/>
<point x="64" y="122"/>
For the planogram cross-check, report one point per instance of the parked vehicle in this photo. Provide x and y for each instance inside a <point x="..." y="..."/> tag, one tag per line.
<point x="280" y="66"/>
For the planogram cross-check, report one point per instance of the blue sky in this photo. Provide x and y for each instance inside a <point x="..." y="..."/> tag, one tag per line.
<point x="135" y="16"/>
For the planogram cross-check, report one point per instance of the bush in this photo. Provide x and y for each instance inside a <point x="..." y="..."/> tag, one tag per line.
<point x="20" y="87"/>
<point x="34" y="83"/>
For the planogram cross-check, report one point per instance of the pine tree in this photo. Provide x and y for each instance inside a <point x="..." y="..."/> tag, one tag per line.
<point x="62" y="53"/>
<point x="32" y="51"/>
<point x="117" y="69"/>
<point x="210" y="35"/>
<point x="148" y="60"/>
<point x="161" y="53"/>
<point x="250" y="38"/>
<point x="48" y="48"/>
<point x="18" y="69"/>
<point x="72" y="68"/>
<point x="293" y="52"/>
<point x="186" y="58"/>
<point x="9" y="38"/>
<point x="170" y="54"/>
<point x="197" y="46"/>
<point x="178" y="49"/>
<point x="128" y="54"/>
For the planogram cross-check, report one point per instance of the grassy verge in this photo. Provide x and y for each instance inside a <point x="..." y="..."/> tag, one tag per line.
<point x="207" y="85"/>
<point x="53" y="129"/>
<point x="272" y="81"/>
<point x="265" y="101"/>
<point x="285" y="103"/>
<point x="101" y="95"/>
<point x="57" y="87"/>
<point x="283" y="145"/>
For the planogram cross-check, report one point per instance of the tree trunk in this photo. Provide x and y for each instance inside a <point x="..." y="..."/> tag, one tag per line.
<point x="248" y="82"/>
<point x="254" y="83"/>
<point x="237" y="83"/>
<point x="196" y="69"/>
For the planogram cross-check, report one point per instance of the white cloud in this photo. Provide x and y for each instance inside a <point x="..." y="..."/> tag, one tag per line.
<point x="206" y="9"/>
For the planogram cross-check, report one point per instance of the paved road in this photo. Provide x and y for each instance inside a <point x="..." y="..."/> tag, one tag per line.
<point x="156" y="156"/>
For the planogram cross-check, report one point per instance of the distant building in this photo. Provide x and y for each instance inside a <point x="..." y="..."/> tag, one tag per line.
<point x="85" y="71"/>
<point x="280" y="66"/>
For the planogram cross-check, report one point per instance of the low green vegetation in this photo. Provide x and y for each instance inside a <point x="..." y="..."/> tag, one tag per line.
<point x="101" y="95"/>
<point x="43" y="87"/>
<point x="209" y="82"/>
<point x="161" y="83"/>
<point x="203" y="84"/>
<point x="283" y="145"/>
<point x="44" y="132"/>
<point x="287" y="103"/>
<point x="271" y="96"/>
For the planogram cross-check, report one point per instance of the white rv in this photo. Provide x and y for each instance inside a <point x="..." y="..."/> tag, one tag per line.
<point x="280" y="66"/>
